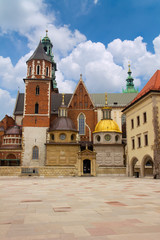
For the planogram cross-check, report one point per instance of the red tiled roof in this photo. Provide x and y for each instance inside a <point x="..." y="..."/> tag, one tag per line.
<point x="152" y="84"/>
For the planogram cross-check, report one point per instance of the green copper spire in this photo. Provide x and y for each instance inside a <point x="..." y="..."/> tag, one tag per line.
<point x="130" y="85"/>
<point x="47" y="45"/>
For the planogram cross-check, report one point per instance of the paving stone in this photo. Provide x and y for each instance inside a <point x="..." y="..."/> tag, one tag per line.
<point x="72" y="208"/>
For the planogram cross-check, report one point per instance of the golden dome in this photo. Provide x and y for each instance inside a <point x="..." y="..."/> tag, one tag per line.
<point x="107" y="125"/>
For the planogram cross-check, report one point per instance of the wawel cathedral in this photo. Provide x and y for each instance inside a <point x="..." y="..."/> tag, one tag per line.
<point x="58" y="134"/>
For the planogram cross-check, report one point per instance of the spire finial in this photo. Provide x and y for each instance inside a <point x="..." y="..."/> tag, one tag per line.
<point x="105" y="99"/>
<point x="63" y="99"/>
<point x="81" y="76"/>
<point x="46" y="33"/>
<point x="129" y="66"/>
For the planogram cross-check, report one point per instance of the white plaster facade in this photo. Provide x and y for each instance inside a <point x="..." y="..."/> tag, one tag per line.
<point x="33" y="136"/>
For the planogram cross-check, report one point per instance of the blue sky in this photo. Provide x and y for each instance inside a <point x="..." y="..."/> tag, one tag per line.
<point x="94" y="37"/>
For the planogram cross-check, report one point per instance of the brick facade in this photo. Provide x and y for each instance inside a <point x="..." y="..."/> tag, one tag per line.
<point x="43" y="99"/>
<point x="81" y="103"/>
<point x="7" y="122"/>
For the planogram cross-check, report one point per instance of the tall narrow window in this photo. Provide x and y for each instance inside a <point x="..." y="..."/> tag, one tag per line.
<point x="138" y="121"/>
<point x="37" y="90"/>
<point x="29" y="71"/>
<point x="47" y="71"/>
<point x="36" y="108"/>
<point x="35" y="152"/>
<point x="81" y="124"/>
<point x="144" y="117"/>
<point x="133" y="144"/>
<point x="38" y="70"/>
<point x="45" y="49"/>
<point x="132" y="123"/>
<point x="139" y="142"/>
<point x="146" y="140"/>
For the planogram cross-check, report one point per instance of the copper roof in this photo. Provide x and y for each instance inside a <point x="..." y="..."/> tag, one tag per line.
<point x="63" y="123"/>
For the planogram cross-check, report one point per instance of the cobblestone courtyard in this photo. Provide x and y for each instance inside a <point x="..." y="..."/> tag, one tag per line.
<point x="79" y="208"/>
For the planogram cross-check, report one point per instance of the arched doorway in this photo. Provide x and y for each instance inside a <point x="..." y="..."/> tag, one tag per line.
<point x="147" y="166"/>
<point x="86" y="166"/>
<point x="134" y="168"/>
<point x="11" y="160"/>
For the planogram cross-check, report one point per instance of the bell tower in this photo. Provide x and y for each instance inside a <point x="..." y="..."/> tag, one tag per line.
<point x="47" y="45"/>
<point x="37" y="107"/>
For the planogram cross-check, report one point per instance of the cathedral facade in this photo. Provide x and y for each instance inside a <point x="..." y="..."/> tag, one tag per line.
<point x="55" y="134"/>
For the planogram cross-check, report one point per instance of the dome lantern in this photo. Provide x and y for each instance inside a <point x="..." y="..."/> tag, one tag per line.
<point x="63" y="108"/>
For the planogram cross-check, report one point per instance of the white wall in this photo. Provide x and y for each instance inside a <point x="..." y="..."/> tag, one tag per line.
<point x="33" y="136"/>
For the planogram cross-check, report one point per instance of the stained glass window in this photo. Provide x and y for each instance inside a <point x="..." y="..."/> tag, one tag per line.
<point x="81" y="124"/>
<point x="35" y="153"/>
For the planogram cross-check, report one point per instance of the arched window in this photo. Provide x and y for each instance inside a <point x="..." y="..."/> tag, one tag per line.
<point x="35" y="152"/>
<point x="36" y="108"/>
<point x="37" y="90"/>
<point x="38" y="70"/>
<point x="81" y="124"/>
<point x="47" y="71"/>
<point x="45" y="49"/>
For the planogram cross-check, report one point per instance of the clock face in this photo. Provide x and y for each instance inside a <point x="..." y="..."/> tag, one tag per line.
<point x="62" y="136"/>
<point x="107" y="137"/>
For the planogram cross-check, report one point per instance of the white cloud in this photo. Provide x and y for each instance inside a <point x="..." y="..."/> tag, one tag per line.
<point x="62" y="38"/>
<point x="127" y="49"/>
<point x="30" y="19"/>
<point x="7" y="103"/>
<point x="12" y="76"/>
<point x="23" y="15"/>
<point x="97" y="65"/>
<point x="95" y="1"/>
<point x="64" y="86"/>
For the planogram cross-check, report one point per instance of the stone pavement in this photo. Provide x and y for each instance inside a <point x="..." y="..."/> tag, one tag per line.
<point x="87" y="208"/>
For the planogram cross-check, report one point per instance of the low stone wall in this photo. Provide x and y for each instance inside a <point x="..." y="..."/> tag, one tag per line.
<point x="106" y="171"/>
<point x="57" y="171"/>
<point x="60" y="171"/>
<point x="10" y="171"/>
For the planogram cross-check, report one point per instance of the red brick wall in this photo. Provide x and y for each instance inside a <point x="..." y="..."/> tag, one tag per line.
<point x="91" y="120"/>
<point x="7" y="122"/>
<point x="5" y="155"/>
<point x="42" y="99"/>
<point x="36" y="121"/>
<point x="81" y="103"/>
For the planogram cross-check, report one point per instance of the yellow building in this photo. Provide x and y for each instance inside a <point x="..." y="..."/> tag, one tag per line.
<point x="143" y="131"/>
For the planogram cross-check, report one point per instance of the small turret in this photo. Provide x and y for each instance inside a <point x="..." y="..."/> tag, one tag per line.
<point x="130" y="83"/>
<point x="62" y="108"/>
<point x="106" y="110"/>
